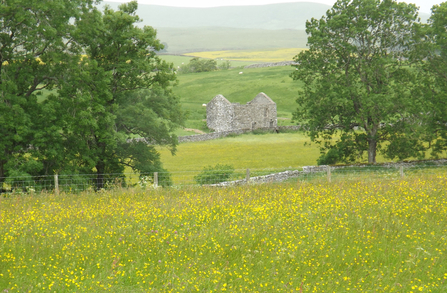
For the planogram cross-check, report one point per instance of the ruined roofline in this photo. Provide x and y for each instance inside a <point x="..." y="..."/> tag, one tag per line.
<point x="221" y="98"/>
<point x="261" y="98"/>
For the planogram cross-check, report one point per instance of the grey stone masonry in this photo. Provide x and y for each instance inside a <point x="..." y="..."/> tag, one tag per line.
<point x="282" y="176"/>
<point x="217" y="135"/>
<point x="261" y="65"/>
<point x="221" y="115"/>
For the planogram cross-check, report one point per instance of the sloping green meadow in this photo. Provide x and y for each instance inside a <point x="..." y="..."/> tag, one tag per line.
<point x="283" y="150"/>
<point x="271" y="152"/>
<point x="349" y="236"/>
<point x="196" y="89"/>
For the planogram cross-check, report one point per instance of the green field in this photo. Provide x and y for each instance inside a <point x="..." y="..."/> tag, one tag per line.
<point x="350" y="236"/>
<point x="261" y="153"/>
<point x="179" y="60"/>
<point x="195" y="89"/>
<point x="283" y="150"/>
<point x="199" y="39"/>
<point x="266" y="55"/>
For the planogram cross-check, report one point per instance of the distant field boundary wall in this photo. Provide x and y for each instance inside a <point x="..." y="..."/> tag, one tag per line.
<point x="261" y="65"/>
<point x="283" y="176"/>
<point x="217" y="135"/>
<point x="66" y="183"/>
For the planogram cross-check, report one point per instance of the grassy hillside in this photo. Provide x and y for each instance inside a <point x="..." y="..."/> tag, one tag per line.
<point x="260" y="151"/>
<point x="178" y="60"/>
<point x="231" y="27"/>
<point x="183" y="40"/>
<point x="271" y="17"/>
<point x="196" y="89"/>
<point x="266" y="55"/>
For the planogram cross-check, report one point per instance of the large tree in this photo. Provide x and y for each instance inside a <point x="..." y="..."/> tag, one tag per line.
<point x="104" y="85"/>
<point x="34" y="36"/>
<point x="119" y="90"/>
<point x="432" y="74"/>
<point x="354" y="98"/>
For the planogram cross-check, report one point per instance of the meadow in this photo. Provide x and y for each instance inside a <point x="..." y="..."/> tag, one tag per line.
<point x="179" y="60"/>
<point x="266" y="55"/>
<point x="349" y="236"/>
<point x="195" y="89"/>
<point x="198" y="39"/>
<point x="254" y="151"/>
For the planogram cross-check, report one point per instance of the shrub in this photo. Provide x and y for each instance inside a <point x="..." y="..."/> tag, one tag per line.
<point x="214" y="174"/>
<point x="225" y="65"/>
<point x="198" y="65"/>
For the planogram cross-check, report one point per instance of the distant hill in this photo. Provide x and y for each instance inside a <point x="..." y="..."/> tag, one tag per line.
<point x="184" y="40"/>
<point x="232" y="27"/>
<point x="271" y="17"/>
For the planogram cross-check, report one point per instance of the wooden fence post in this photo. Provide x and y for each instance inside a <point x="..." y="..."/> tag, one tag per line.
<point x="155" y="179"/>
<point x="56" y="184"/>
<point x="247" y="177"/>
<point x="402" y="171"/>
<point x="329" y="174"/>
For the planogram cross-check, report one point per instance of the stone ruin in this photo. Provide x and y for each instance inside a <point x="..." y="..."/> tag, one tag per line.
<point x="259" y="113"/>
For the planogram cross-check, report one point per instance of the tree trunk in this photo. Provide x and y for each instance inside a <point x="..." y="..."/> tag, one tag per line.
<point x="372" y="147"/>
<point x="2" y="173"/>
<point x="100" y="169"/>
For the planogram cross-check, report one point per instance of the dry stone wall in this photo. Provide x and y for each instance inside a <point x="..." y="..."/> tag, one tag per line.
<point x="282" y="176"/>
<point x="221" y="115"/>
<point x="217" y="135"/>
<point x="261" y="65"/>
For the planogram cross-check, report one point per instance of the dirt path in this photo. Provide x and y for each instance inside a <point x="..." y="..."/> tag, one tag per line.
<point x="195" y="130"/>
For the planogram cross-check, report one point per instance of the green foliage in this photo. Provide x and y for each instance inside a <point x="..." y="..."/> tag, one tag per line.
<point x="357" y="77"/>
<point x="32" y="53"/>
<point x="214" y="174"/>
<point x="225" y="65"/>
<point x="198" y="65"/>
<point x="432" y="77"/>
<point x="97" y="103"/>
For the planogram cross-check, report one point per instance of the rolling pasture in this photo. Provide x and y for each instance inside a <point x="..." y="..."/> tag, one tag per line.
<point x="179" y="60"/>
<point x="195" y="89"/>
<point x="267" y="55"/>
<point x="276" y="151"/>
<point x="349" y="236"/>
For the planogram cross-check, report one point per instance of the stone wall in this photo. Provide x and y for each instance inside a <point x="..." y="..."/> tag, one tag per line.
<point x="219" y="113"/>
<point x="282" y="176"/>
<point x="217" y="135"/>
<point x="270" y="178"/>
<point x="261" y="65"/>
<point x="253" y="116"/>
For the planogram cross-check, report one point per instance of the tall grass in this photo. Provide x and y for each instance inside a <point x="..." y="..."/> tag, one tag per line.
<point x="380" y="235"/>
<point x="281" y="150"/>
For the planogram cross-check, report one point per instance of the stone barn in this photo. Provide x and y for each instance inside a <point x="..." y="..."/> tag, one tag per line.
<point x="259" y="113"/>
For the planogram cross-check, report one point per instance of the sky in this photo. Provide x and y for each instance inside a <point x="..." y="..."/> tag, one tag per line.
<point x="425" y="5"/>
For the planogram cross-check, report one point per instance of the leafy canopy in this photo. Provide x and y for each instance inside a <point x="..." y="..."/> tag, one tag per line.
<point x="355" y="71"/>
<point x="107" y="85"/>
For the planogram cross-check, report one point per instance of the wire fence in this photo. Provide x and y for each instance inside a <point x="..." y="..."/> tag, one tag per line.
<point x="216" y="178"/>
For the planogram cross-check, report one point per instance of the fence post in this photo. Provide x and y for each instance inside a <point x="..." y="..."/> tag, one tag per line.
<point x="155" y="179"/>
<point x="56" y="184"/>
<point x="247" y="177"/>
<point x="402" y="171"/>
<point x="328" y="168"/>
